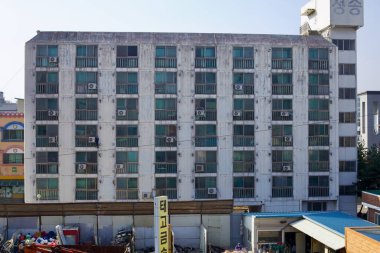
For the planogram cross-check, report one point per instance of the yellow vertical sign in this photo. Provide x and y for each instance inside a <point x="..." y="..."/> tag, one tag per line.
<point x="161" y="224"/>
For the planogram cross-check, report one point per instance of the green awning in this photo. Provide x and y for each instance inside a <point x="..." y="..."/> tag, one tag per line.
<point x="4" y="182"/>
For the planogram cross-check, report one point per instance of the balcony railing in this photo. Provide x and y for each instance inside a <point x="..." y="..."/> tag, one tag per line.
<point x="86" y="114"/>
<point x="318" y="64"/>
<point x="244" y="89"/>
<point x="47" y="88"/>
<point x="165" y="167"/>
<point x="282" y="166"/>
<point x="209" y="167"/>
<point x="165" y="141"/>
<point x="318" y="191"/>
<point x="127" y="141"/>
<point x="282" y="89"/>
<point x="122" y="114"/>
<point x="319" y="140"/>
<point x="127" y="194"/>
<point x="166" y="114"/>
<point x="47" y="168"/>
<point x="317" y="166"/>
<point x="47" y="115"/>
<point x="83" y="141"/>
<point x="43" y="61"/>
<point x="319" y="90"/>
<point x="86" y="194"/>
<point x="206" y="141"/>
<point x="127" y="89"/>
<point x="244" y="167"/>
<point x="244" y="63"/>
<point x="86" y="62"/>
<point x="241" y="192"/>
<point x="243" y="115"/>
<point x="165" y="62"/>
<point x="86" y="168"/>
<point x="282" y="141"/>
<point x="170" y="192"/>
<point x="205" y="115"/>
<point x="205" y="88"/>
<point x="205" y="62"/>
<point x="47" y="141"/>
<point x="47" y="194"/>
<point x="127" y="168"/>
<point x="166" y="88"/>
<point x="203" y="193"/>
<point x="282" y="64"/>
<point x="282" y="192"/>
<point x="244" y="141"/>
<point x="319" y="115"/>
<point x="86" y="88"/>
<point x="284" y="115"/>
<point x="127" y="62"/>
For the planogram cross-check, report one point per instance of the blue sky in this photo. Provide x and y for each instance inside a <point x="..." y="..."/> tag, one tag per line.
<point x="20" y="19"/>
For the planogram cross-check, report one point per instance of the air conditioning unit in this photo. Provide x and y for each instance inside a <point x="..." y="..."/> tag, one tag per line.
<point x="119" y="166"/>
<point x="52" y="113"/>
<point x="236" y="113"/>
<point x="211" y="191"/>
<point x="53" y="139"/>
<point x="286" y="168"/>
<point x="284" y="114"/>
<point x="288" y="138"/>
<point x="200" y="113"/>
<point x="91" y="86"/>
<point x="121" y="112"/>
<point x="91" y="139"/>
<point x="53" y="59"/>
<point x="169" y="139"/>
<point x="146" y="195"/>
<point x="199" y="168"/>
<point x="238" y="87"/>
<point x="82" y="166"/>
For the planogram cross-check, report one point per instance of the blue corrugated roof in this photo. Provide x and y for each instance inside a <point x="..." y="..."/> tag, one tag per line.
<point x="374" y="234"/>
<point x="279" y="214"/>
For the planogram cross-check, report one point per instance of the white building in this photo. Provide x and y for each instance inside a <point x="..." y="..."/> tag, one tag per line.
<point x="124" y="116"/>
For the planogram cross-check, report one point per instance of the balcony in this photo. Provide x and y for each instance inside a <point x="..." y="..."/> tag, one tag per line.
<point x="319" y="116"/>
<point x="317" y="166"/>
<point x="243" y="167"/>
<point x="319" y="191"/>
<point x="86" y="168"/>
<point x="282" y="192"/>
<point x="203" y="193"/>
<point x="319" y="140"/>
<point x="165" y="168"/>
<point x="127" y="141"/>
<point x="318" y="64"/>
<point x="86" y="88"/>
<point x="282" y="89"/>
<point x="165" y="114"/>
<point x="122" y="114"/>
<point x="243" y="115"/>
<point x="319" y="90"/>
<point x="205" y="88"/>
<point x="47" y="141"/>
<point x="165" y="62"/>
<point x="47" y="194"/>
<point x="86" y="194"/>
<point x="241" y="192"/>
<point x="282" y="166"/>
<point x="170" y="192"/>
<point x="286" y="115"/>
<point x="243" y="141"/>
<point x="165" y="141"/>
<point x="47" y="88"/>
<point x="166" y="88"/>
<point x="47" y="168"/>
<point x="127" y="89"/>
<point x="86" y="114"/>
<point x="286" y="64"/>
<point x="244" y="89"/>
<point x="127" y="194"/>
<point x="47" y="61"/>
<point x="127" y="168"/>
<point x="205" y="141"/>
<point x="205" y="62"/>
<point x="127" y="62"/>
<point x="86" y="62"/>
<point x="282" y="141"/>
<point x="205" y="115"/>
<point x="84" y="141"/>
<point x="208" y="167"/>
<point x="47" y="115"/>
<point x="244" y="63"/>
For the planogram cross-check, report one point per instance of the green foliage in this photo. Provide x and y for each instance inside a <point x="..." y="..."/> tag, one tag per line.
<point x="368" y="168"/>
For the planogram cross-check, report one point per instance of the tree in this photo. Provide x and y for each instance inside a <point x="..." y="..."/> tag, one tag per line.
<point x="368" y="168"/>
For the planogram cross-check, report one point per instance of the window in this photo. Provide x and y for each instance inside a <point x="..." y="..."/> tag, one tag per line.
<point x="9" y="158"/>
<point x="47" y="188"/>
<point x="166" y="57"/>
<point x="86" y="189"/>
<point x="244" y="161"/>
<point x="282" y="187"/>
<point x="318" y="59"/>
<point x="86" y="136"/>
<point x="166" y="162"/>
<point x="347" y="141"/>
<point x="205" y="136"/>
<point x="127" y="83"/>
<point x="205" y="83"/>
<point x="316" y="206"/>
<point x="363" y="118"/>
<point x="244" y="136"/>
<point x="318" y="186"/>
<point x="166" y="186"/>
<point x="166" y="109"/>
<point x="282" y="160"/>
<point x="345" y="45"/>
<point x="205" y="109"/>
<point x="282" y="135"/>
<point x="377" y="218"/>
<point x="244" y="109"/>
<point x="347" y="190"/>
<point x="347" y="69"/>
<point x="47" y="162"/>
<point x="47" y="135"/>
<point x="86" y="109"/>
<point x="282" y="58"/>
<point x="347" y="117"/>
<point x="319" y="110"/>
<point x="46" y="82"/>
<point x="282" y="109"/>
<point x="205" y="161"/>
<point x="127" y="162"/>
<point x="166" y="136"/>
<point x="347" y="166"/>
<point x="14" y="132"/>
<point x="243" y="58"/>
<point x="205" y="57"/>
<point x="319" y="135"/>
<point x="243" y="83"/>
<point x="127" y="57"/>
<point x="244" y="187"/>
<point x="347" y="93"/>
<point x="319" y="160"/>
<point x="46" y="109"/>
<point x="127" y="136"/>
<point x="205" y="188"/>
<point x="86" y="162"/>
<point x="86" y="82"/>
<point x="127" y="109"/>
<point x="282" y="84"/>
<point x="319" y="84"/>
<point x="87" y="56"/>
<point x="47" y="56"/>
<point x="165" y="82"/>
<point x="126" y="188"/>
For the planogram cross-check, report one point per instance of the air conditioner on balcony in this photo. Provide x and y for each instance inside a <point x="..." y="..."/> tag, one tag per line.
<point x="284" y="114"/>
<point x="91" y="86"/>
<point x="119" y="166"/>
<point x="53" y="139"/>
<point x="236" y="113"/>
<point x="82" y="166"/>
<point x="52" y="113"/>
<point x="146" y="195"/>
<point x="200" y="113"/>
<point x="199" y="168"/>
<point x="286" y="168"/>
<point x="121" y="112"/>
<point x="238" y="87"/>
<point x="53" y="59"/>
<point x="169" y="139"/>
<point x="288" y="138"/>
<point x="91" y="139"/>
<point x="211" y="191"/>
